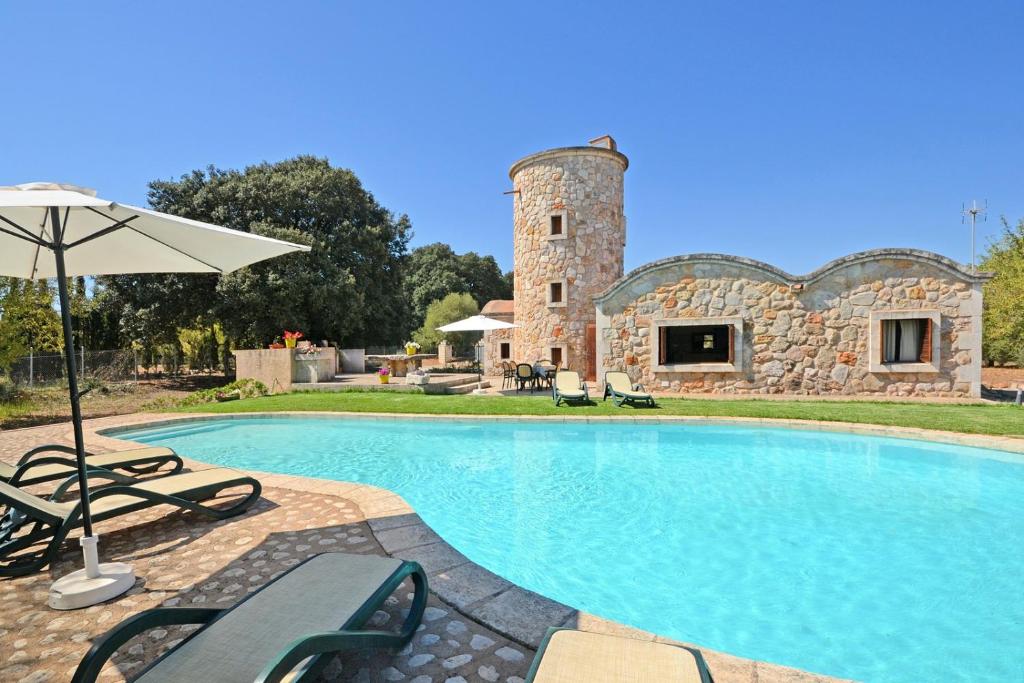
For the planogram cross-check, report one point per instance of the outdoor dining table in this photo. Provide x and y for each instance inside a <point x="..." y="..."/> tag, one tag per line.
<point x="538" y="377"/>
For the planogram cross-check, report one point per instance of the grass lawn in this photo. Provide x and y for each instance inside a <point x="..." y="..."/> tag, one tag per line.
<point x="1003" y="420"/>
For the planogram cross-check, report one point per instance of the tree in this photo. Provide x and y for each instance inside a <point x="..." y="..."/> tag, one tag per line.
<point x="348" y="289"/>
<point x="28" y="319"/>
<point x="447" y="310"/>
<point x="1004" y="297"/>
<point x="435" y="270"/>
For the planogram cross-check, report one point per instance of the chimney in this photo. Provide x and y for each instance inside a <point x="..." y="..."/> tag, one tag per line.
<point x="606" y="141"/>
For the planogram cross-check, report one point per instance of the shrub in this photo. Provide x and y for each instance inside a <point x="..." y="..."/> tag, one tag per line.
<point x="246" y="388"/>
<point x="9" y="391"/>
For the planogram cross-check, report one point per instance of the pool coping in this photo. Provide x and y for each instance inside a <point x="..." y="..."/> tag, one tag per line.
<point x="517" y="613"/>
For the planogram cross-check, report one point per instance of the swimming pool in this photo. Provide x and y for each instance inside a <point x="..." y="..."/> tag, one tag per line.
<point x="873" y="558"/>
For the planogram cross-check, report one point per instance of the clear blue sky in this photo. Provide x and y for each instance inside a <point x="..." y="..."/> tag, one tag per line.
<point x="791" y="132"/>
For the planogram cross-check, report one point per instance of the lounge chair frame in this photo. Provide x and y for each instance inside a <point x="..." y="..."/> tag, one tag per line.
<point x="45" y="525"/>
<point x="347" y="637"/>
<point x="29" y="461"/>
<point x="558" y="396"/>
<point x="621" y="398"/>
<point x="702" y="667"/>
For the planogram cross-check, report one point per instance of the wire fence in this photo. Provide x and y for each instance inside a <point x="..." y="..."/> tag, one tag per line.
<point x="110" y="365"/>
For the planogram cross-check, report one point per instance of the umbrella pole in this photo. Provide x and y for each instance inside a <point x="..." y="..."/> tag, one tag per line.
<point x="95" y="583"/>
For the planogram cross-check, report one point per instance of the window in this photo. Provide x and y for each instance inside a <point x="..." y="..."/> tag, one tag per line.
<point x="556" y="356"/>
<point x="695" y="344"/>
<point x="556" y="225"/>
<point x="557" y="291"/>
<point x="906" y="341"/>
<point x="505" y="350"/>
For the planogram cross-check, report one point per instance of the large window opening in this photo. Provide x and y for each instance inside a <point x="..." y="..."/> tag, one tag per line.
<point x="506" y="350"/>
<point x="682" y="345"/>
<point x="907" y="341"/>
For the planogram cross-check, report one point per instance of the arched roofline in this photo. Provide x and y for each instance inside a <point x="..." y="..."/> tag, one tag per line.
<point x="918" y="255"/>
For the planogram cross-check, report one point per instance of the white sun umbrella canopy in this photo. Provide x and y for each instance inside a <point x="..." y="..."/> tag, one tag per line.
<point x="49" y="230"/>
<point x="477" y="323"/>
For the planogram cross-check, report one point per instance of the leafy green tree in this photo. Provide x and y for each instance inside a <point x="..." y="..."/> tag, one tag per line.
<point x="447" y="310"/>
<point x="28" y="319"/>
<point x="348" y="289"/>
<point x="435" y="270"/>
<point x="1004" y="297"/>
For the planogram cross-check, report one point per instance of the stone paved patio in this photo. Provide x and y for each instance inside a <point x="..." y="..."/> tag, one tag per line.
<point x="478" y="627"/>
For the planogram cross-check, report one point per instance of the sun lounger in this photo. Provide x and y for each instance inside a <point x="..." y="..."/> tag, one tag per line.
<point x="316" y="609"/>
<point x="568" y="387"/>
<point x="621" y="389"/>
<point x="39" y="465"/>
<point x="31" y="521"/>
<point x="568" y="656"/>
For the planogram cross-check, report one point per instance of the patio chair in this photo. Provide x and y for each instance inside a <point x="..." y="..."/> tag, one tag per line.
<point x="569" y="388"/>
<point x="569" y="656"/>
<point x="36" y="467"/>
<point x="524" y="377"/>
<point x="316" y="609"/>
<point x="508" y="374"/>
<point x="48" y="522"/>
<point x="622" y="390"/>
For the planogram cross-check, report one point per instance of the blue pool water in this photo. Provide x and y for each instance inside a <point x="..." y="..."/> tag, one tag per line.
<point x="871" y="558"/>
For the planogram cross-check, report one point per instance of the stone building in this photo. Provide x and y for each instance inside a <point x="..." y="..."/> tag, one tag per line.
<point x="896" y="322"/>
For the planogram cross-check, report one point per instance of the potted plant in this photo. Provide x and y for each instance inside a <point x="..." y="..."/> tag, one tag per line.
<point x="290" y="339"/>
<point x="411" y="348"/>
<point x="384" y="375"/>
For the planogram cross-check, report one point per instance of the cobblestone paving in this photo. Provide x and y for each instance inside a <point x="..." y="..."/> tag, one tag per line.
<point x="182" y="560"/>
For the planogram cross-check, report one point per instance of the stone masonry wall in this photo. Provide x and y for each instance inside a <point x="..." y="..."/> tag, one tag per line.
<point x="800" y="335"/>
<point x="585" y="183"/>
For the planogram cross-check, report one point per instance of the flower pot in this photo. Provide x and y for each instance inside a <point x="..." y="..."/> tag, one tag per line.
<point x="289" y="343"/>
<point x="410" y="350"/>
<point x="384" y="378"/>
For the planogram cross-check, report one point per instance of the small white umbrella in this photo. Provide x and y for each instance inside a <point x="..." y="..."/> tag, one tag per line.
<point x="53" y="230"/>
<point x="477" y="323"/>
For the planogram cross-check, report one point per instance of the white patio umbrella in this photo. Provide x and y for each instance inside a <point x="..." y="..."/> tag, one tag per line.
<point x="53" y="230"/>
<point x="477" y="323"/>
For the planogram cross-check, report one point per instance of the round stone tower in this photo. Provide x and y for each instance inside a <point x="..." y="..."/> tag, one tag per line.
<point x="570" y="235"/>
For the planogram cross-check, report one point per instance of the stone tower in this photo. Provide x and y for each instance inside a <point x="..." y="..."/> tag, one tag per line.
<point x="570" y="234"/>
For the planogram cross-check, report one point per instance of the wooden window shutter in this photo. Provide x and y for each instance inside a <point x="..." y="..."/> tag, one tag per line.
<point x="926" y="341"/>
<point x="732" y="343"/>
<point x="662" y="345"/>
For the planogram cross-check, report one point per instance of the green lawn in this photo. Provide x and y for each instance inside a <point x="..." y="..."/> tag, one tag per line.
<point x="1004" y="420"/>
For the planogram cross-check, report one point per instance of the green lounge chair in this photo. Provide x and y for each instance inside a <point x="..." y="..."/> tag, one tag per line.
<point x="569" y="388"/>
<point x="36" y="466"/>
<point x="48" y="522"/>
<point x="569" y="656"/>
<point x="317" y="608"/>
<point x="621" y="389"/>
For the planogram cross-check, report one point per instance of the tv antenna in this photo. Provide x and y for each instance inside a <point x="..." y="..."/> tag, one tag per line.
<point x="973" y="211"/>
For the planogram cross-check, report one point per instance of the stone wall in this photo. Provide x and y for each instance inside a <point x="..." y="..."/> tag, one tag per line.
<point x="800" y="334"/>
<point x="584" y="184"/>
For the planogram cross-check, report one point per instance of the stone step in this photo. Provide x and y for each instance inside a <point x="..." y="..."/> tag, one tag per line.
<point x="466" y="387"/>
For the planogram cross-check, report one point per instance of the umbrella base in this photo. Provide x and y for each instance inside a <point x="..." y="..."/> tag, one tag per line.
<point x="76" y="590"/>
<point x="94" y="584"/>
